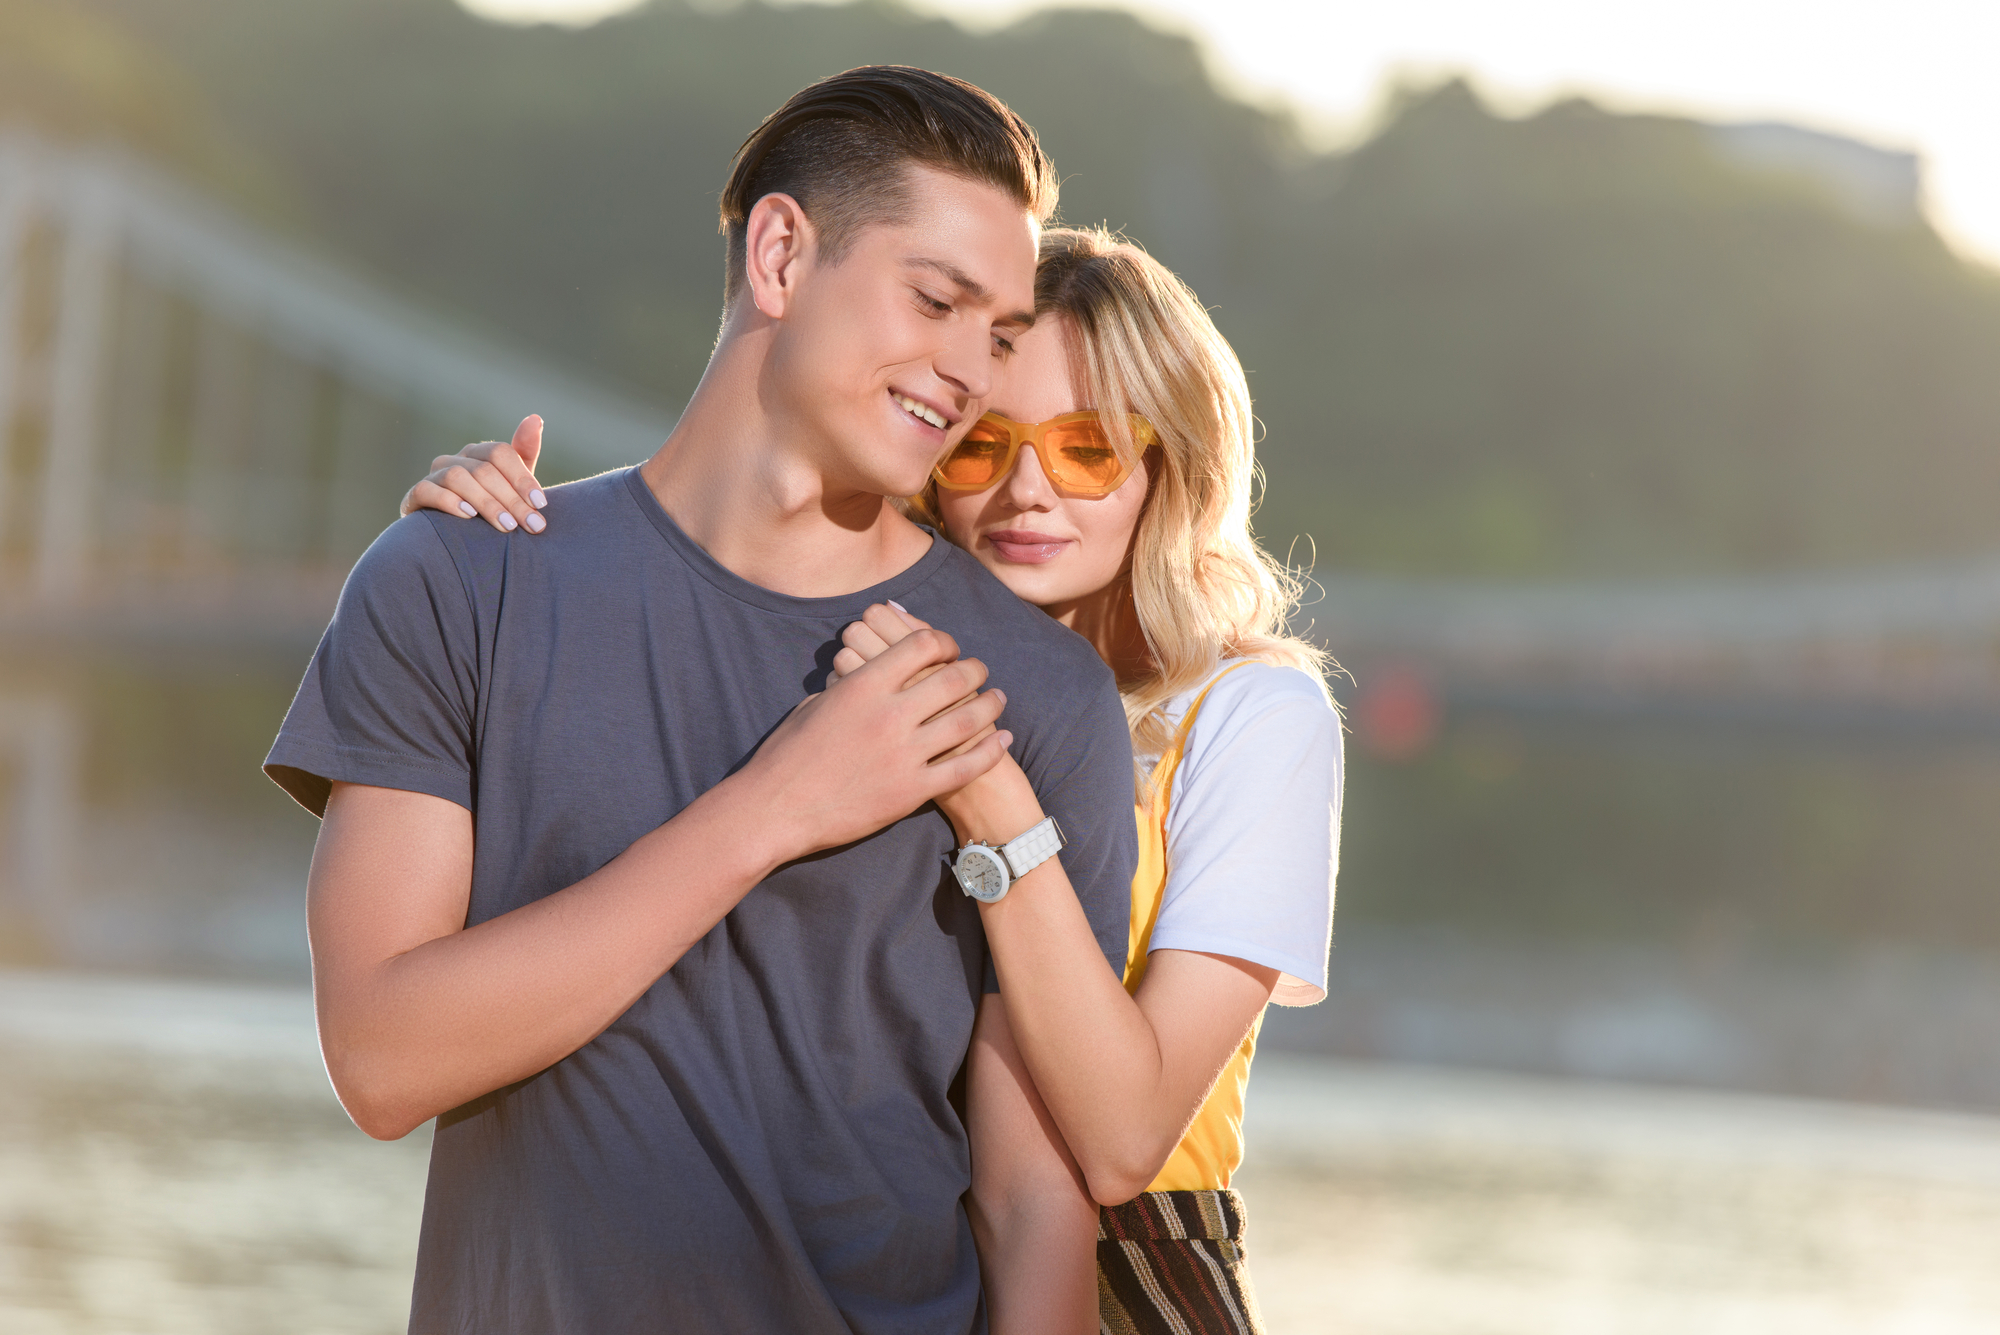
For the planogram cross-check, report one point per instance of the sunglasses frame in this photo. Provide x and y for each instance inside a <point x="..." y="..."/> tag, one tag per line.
<point x="1144" y="436"/>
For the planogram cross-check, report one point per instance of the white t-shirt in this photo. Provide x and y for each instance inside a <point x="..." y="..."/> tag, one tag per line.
<point x="1253" y="827"/>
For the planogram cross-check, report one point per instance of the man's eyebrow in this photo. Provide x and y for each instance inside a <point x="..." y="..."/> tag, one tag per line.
<point x="969" y="285"/>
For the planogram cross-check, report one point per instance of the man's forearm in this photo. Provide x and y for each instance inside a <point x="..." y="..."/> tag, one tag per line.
<point x="1038" y="1265"/>
<point x="1033" y="1221"/>
<point x="411" y="1034"/>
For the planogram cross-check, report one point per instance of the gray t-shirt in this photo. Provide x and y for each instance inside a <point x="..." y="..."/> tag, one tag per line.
<point x="766" y="1140"/>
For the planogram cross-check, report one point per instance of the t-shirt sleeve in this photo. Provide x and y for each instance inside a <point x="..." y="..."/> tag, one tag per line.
<point x="1253" y="830"/>
<point x="1085" y="782"/>
<point x="390" y="696"/>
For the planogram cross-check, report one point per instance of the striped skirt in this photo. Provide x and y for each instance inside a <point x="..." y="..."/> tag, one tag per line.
<point x="1171" y="1263"/>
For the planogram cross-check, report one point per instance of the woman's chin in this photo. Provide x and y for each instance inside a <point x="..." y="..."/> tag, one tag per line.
<point x="1042" y="583"/>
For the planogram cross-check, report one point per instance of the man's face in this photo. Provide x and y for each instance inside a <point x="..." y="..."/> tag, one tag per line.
<point x="886" y="358"/>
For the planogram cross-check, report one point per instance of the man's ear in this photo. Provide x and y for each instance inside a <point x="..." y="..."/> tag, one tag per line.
<point x="778" y="243"/>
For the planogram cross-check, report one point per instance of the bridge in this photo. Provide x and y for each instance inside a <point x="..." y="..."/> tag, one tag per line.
<point x="1908" y="654"/>
<point x="203" y="423"/>
<point x="201" y="426"/>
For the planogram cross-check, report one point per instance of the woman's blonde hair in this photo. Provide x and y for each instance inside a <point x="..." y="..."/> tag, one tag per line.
<point x="1204" y="590"/>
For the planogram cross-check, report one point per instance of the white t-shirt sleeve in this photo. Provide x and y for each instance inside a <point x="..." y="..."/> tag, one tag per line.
<point x="1253" y="830"/>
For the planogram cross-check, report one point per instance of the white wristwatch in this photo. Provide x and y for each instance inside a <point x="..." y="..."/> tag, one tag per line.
<point x="985" y="871"/>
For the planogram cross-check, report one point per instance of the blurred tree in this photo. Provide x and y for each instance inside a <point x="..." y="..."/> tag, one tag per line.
<point x="1586" y="342"/>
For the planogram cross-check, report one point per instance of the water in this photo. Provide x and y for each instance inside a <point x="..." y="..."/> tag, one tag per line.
<point x="1877" y="1023"/>
<point x="1409" y="1201"/>
<point x="171" y="1160"/>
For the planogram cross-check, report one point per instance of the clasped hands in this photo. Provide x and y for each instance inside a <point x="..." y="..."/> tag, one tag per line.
<point x="998" y="802"/>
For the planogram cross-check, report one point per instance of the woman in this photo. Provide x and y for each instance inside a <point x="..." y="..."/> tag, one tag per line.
<point x="1111" y="487"/>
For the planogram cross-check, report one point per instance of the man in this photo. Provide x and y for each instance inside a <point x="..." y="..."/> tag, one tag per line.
<point x="679" y="968"/>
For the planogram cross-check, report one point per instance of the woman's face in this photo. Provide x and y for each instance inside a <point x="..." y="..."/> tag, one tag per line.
<point x="1049" y="546"/>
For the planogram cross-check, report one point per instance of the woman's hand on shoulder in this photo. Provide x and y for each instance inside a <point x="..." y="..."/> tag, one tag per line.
<point x="492" y="480"/>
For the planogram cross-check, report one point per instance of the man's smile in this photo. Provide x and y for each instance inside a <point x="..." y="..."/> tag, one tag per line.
<point x="922" y="411"/>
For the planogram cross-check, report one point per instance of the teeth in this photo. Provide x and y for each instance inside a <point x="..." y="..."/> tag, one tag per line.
<point x="916" y="409"/>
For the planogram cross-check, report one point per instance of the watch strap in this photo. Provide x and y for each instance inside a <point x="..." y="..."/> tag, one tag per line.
<point x="1031" y="849"/>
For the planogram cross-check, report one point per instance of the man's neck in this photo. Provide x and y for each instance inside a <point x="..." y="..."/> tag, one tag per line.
<point x="735" y="482"/>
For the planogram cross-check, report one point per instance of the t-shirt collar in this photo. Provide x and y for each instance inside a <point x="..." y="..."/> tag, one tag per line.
<point x="727" y="581"/>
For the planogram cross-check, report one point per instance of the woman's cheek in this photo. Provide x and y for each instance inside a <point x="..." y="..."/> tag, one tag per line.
<point x="1118" y="519"/>
<point x="956" y="517"/>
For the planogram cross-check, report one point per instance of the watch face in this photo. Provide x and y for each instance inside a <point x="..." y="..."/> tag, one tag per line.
<point x="980" y="873"/>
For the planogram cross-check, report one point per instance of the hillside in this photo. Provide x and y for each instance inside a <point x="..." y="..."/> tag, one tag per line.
<point x="1573" y="342"/>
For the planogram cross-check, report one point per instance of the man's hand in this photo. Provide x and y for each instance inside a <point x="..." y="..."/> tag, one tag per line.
<point x="998" y="802"/>
<point x="878" y="743"/>
<point x="493" y="480"/>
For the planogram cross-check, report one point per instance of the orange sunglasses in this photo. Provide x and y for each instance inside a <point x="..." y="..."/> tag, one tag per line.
<point x="1076" y="451"/>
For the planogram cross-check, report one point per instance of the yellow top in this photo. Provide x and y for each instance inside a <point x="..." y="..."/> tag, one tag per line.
<point x="1212" y="1149"/>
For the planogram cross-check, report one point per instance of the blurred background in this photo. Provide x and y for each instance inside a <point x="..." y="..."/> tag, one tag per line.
<point x="1631" y="393"/>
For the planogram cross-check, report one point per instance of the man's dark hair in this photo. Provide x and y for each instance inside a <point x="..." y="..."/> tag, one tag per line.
<point x="840" y="146"/>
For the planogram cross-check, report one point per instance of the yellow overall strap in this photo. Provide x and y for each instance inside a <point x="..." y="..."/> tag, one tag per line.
<point x="1210" y="1152"/>
<point x="1149" y="882"/>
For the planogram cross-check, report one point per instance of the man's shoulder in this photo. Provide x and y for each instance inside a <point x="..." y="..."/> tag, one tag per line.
<point x="576" y="511"/>
<point x="406" y="556"/>
<point x="991" y="622"/>
<point x="598" y="494"/>
<point x="582" y="516"/>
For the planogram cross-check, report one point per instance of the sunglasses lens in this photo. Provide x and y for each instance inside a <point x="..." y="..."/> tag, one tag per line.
<point x="1082" y="457"/>
<point x="976" y="460"/>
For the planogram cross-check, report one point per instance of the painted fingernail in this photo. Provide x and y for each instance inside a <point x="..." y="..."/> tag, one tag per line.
<point x="465" y="508"/>
<point x="899" y="607"/>
<point x="536" y="499"/>
<point x="507" y="522"/>
<point x="535" y="523"/>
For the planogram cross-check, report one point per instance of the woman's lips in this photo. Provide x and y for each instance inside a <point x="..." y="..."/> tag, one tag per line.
<point x="1025" y="547"/>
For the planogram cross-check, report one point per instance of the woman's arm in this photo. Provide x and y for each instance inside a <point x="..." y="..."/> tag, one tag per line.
<point x="1122" y="1075"/>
